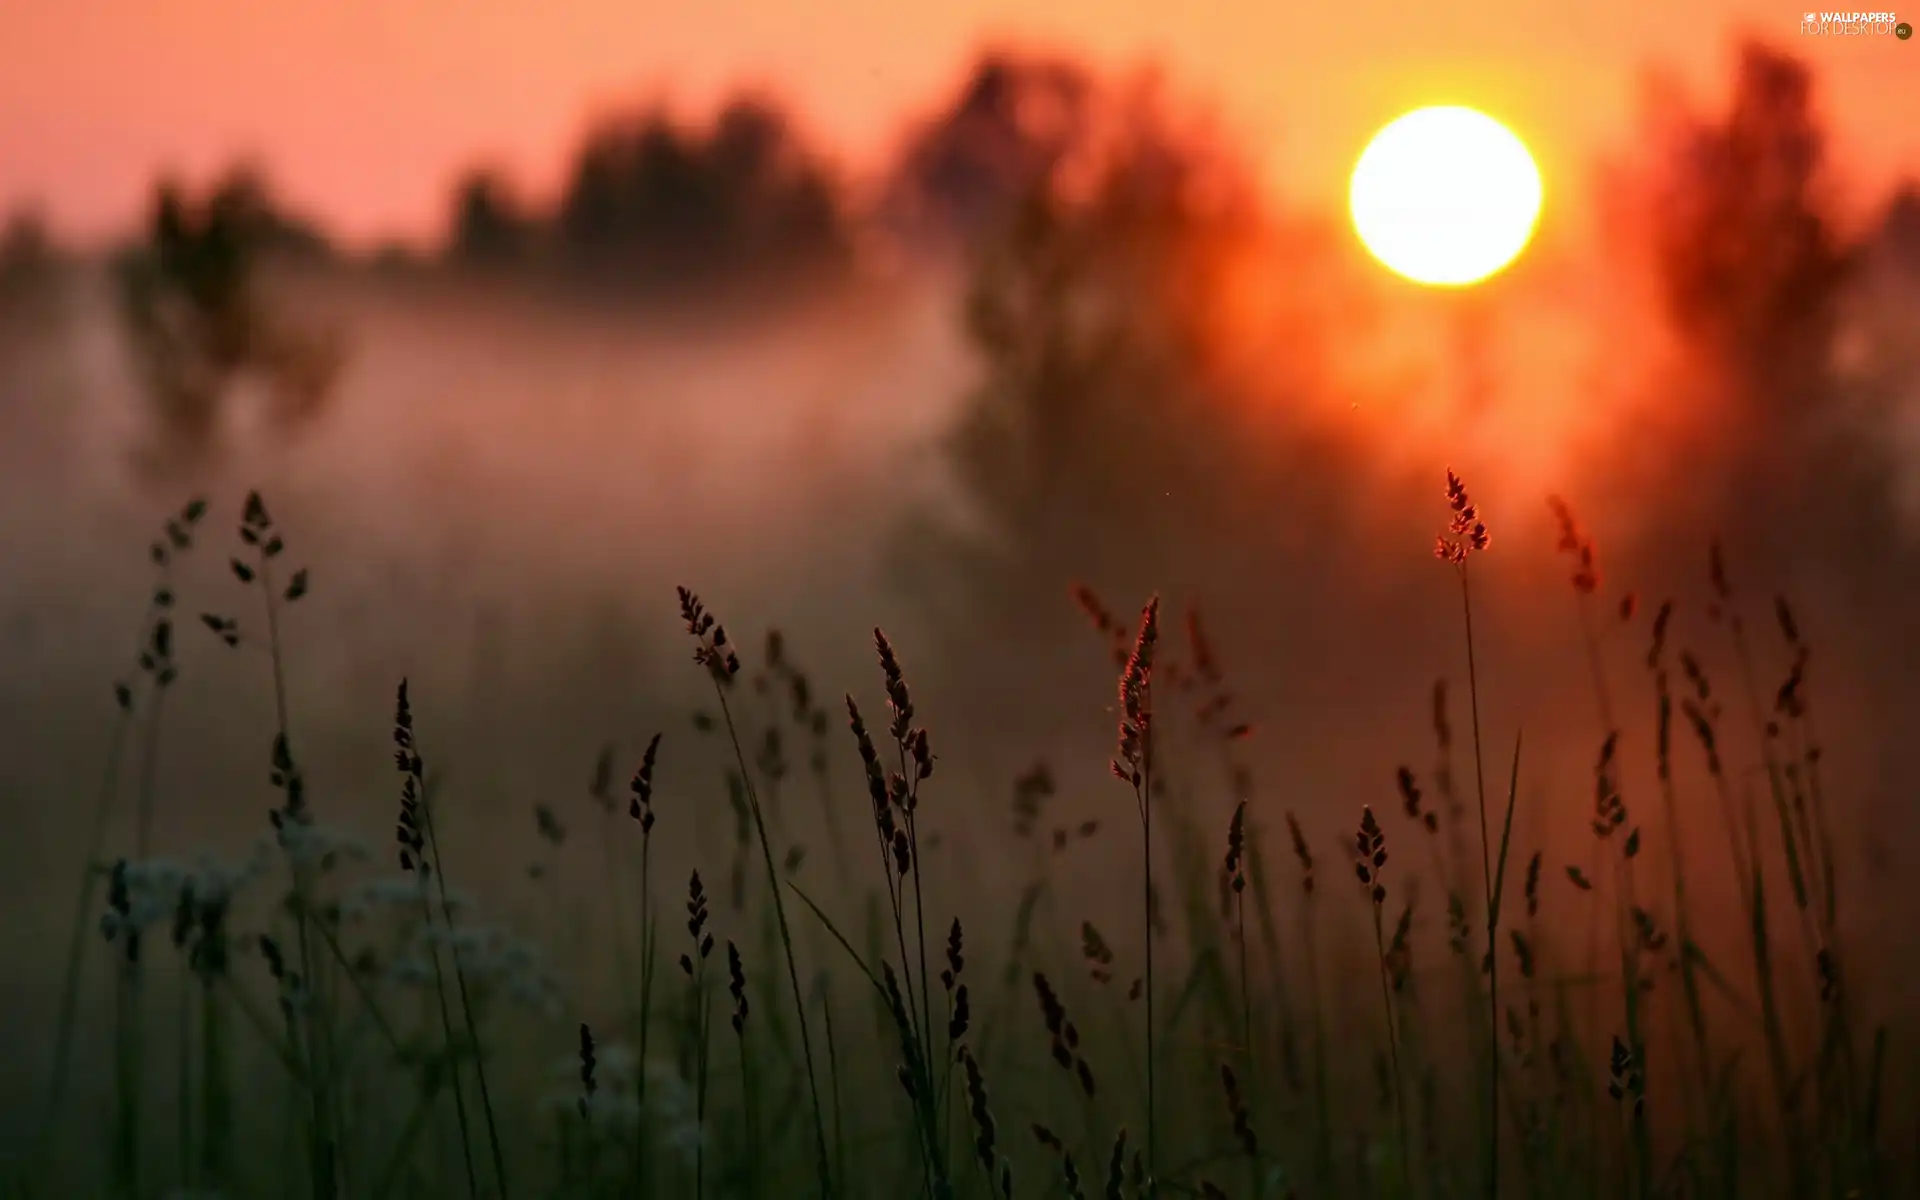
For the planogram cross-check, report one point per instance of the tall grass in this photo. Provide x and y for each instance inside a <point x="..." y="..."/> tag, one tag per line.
<point x="1318" y="1059"/>
<point x="154" y="659"/>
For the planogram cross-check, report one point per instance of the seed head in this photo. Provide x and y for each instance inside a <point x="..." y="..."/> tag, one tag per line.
<point x="1576" y="543"/>
<point x="1235" y="864"/>
<point x="1301" y="852"/>
<point x="640" y="805"/>
<point x="1136" y="705"/>
<point x="1370" y="855"/>
<point x="711" y="648"/>
<point x="1466" y="532"/>
<point x="737" y="987"/>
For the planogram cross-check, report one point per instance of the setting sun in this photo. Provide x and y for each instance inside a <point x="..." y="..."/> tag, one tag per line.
<point x="1445" y="196"/>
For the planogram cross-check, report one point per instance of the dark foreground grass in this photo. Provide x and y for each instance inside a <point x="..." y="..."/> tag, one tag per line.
<point x="306" y="1023"/>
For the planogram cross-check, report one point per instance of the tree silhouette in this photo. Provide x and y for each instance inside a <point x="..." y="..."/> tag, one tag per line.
<point x="1103" y="431"/>
<point x="1900" y="229"/>
<point x="489" y="230"/>
<point x="198" y="320"/>
<point x="964" y="171"/>
<point x="1747" y="248"/>
<point x="650" y="201"/>
<point x="27" y="254"/>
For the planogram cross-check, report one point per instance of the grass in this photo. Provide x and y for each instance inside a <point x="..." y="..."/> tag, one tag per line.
<point x="316" y="1026"/>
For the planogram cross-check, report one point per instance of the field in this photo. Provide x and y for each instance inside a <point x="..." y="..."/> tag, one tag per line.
<point x="820" y="1001"/>
<point x="622" y="720"/>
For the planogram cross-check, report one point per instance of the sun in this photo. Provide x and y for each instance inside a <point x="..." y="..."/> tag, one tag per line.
<point x="1445" y="196"/>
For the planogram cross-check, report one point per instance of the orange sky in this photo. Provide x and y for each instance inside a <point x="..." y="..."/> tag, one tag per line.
<point x="362" y="109"/>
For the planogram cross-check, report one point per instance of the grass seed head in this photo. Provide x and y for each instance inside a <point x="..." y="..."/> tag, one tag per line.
<point x="1522" y="953"/>
<point x="956" y="955"/>
<point x="1117" y="1168"/>
<point x="1136" y="704"/>
<point x="1579" y="545"/>
<point x="1466" y="532"/>
<point x="1656" y="653"/>
<point x="899" y="700"/>
<point x="1624" y="1077"/>
<point x="1096" y="952"/>
<point x="588" y="1064"/>
<point x="1703" y="730"/>
<point x="1370" y="855"/>
<point x="640" y="790"/>
<point x="986" y="1133"/>
<point x="712" y="650"/>
<point x="1302" y="853"/>
<point x="1234" y="864"/>
<point x="1609" y="811"/>
<point x="737" y="988"/>
<point x="1237" y="1111"/>
<point x="696" y="924"/>
<point x="547" y="826"/>
<point x="1789" y="627"/>
<point x="1400" y="949"/>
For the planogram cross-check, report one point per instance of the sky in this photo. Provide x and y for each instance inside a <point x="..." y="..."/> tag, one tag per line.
<point x="362" y="110"/>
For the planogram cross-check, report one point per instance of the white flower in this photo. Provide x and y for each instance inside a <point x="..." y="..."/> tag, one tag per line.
<point x="617" y="1062"/>
<point x="671" y="1102"/>
<point x="412" y="970"/>
<point x="540" y="995"/>
<point x="615" y="1066"/>
<point x="494" y="961"/>
<point x="215" y="879"/>
<point x="155" y="887"/>
<point x="316" y="845"/>
<point x="403" y="893"/>
<point x="609" y="1109"/>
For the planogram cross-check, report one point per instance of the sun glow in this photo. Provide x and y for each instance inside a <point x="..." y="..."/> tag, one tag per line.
<point x="1445" y="196"/>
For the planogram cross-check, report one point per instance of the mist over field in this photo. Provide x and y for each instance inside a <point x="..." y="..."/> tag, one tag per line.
<point x="941" y="433"/>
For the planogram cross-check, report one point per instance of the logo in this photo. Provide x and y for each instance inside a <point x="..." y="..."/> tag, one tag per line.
<point x="1854" y="24"/>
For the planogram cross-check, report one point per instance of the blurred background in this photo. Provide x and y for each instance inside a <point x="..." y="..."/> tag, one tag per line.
<point x="912" y="315"/>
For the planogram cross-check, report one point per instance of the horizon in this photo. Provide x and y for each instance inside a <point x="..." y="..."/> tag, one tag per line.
<point x="362" y="119"/>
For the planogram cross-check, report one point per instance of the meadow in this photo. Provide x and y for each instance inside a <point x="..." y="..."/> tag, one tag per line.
<point x="398" y="829"/>
<point x="804" y="989"/>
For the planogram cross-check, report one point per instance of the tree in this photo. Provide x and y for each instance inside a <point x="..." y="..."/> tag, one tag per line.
<point x="199" y="320"/>
<point x="27" y="253"/>
<point x="1900" y="230"/>
<point x="489" y="230"/>
<point x="1007" y="131"/>
<point x="1104" y="431"/>
<point x="1745" y="239"/>
<point x="651" y="201"/>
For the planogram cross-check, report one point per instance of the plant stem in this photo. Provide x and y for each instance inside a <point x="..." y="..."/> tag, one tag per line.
<point x="466" y="1005"/>
<point x="643" y="1163"/>
<point x="126" y="1157"/>
<point x="1393" y="1043"/>
<point x="786" y="941"/>
<point x="1486" y="869"/>
<point x="1146" y="904"/>
<point x="452" y="1048"/>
